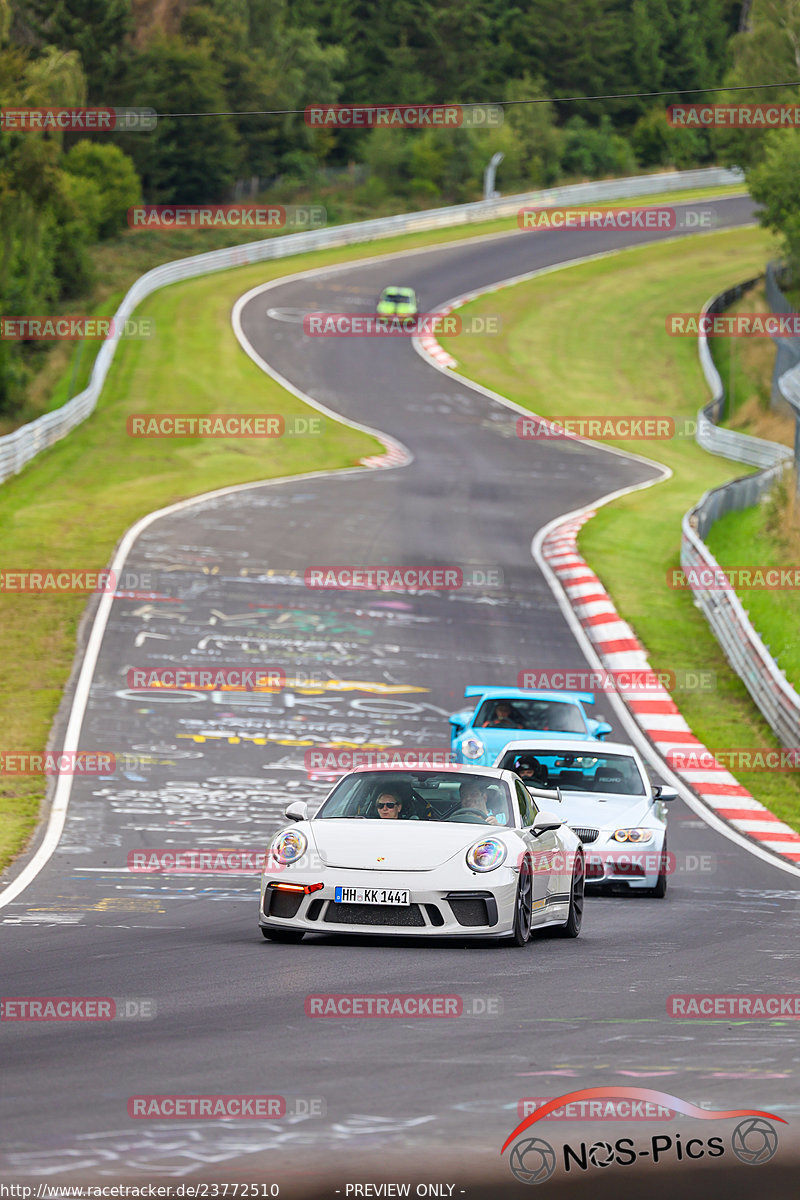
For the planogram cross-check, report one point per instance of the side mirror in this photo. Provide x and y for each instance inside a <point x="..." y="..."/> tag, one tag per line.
<point x="601" y="727"/>
<point x="544" y="822"/>
<point x="460" y="720"/>
<point x="665" y="794"/>
<point x="296" y="811"/>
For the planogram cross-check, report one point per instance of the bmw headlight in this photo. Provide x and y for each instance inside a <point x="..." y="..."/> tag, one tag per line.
<point x="486" y="855"/>
<point x="287" y="847"/>
<point x="633" y="835"/>
<point x="472" y="747"/>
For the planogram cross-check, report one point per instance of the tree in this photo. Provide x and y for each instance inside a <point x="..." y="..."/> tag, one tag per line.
<point x="186" y="159"/>
<point x="95" y="29"/>
<point x="775" y="184"/>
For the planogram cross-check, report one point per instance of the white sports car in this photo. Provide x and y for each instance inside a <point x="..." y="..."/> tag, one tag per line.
<point x="602" y="791"/>
<point x="437" y="852"/>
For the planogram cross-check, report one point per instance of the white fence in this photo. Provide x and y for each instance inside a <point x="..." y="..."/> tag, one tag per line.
<point x="18" y="448"/>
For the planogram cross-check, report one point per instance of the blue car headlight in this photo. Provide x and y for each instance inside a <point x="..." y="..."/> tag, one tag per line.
<point x="472" y="747"/>
<point x="486" y="855"/>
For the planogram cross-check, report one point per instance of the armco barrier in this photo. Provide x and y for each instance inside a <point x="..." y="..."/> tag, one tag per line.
<point x="776" y="699"/>
<point x="18" y="448"/>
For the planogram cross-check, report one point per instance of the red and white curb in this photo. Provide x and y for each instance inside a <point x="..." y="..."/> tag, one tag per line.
<point x="658" y="715"/>
<point x="395" y="456"/>
<point x="430" y="345"/>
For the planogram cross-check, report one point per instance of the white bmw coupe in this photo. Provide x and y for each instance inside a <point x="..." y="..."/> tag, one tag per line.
<point x="602" y="790"/>
<point x="436" y="852"/>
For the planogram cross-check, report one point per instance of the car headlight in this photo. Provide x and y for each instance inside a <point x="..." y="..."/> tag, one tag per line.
<point x="287" y="847"/>
<point x="633" y="835"/>
<point x="486" y="855"/>
<point x="472" y="747"/>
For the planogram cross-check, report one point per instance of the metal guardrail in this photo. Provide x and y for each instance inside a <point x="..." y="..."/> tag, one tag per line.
<point x="776" y="699"/>
<point x="18" y="448"/>
<point x="786" y="376"/>
<point x="787" y="355"/>
<point x="727" y="443"/>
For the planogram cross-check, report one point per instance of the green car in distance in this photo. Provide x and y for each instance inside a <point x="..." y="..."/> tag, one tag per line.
<point x="397" y="302"/>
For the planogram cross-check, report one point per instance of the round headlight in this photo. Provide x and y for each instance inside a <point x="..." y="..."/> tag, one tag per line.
<point x="486" y="855"/>
<point x="633" y="835"/>
<point x="472" y="747"/>
<point x="289" y="846"/>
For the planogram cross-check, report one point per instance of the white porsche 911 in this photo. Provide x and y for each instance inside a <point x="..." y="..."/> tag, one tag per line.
<point x="602" y="790"/>
<point x="436" y="852"/>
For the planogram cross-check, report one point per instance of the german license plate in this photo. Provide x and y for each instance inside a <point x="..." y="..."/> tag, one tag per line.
<point x="354" y="895"/>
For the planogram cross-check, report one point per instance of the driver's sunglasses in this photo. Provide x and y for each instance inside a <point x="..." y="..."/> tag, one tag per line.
<point x="390" y="804"/>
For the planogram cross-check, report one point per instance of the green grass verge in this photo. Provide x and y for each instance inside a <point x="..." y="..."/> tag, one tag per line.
<point x="773" y="613"/>
<point x="72" y="504"/>
<point x="590" y="340"/>
<point x="746" y="366"/>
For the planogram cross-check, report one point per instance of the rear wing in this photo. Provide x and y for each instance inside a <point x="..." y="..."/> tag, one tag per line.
<point x="540" y="793"/>
<point x="514" y="693"/>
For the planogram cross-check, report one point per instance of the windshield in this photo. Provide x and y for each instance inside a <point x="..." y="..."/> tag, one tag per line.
<point x="577" y="772"/>
<point x="397" y="297"/>
<point x="420" y="796"/>
<point x="549" y="715"/>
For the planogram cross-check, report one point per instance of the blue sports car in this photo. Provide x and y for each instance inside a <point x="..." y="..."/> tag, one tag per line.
<point x="498" y="715"/>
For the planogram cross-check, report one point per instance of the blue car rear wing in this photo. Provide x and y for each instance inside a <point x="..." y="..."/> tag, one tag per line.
<point x="532" y="694"/>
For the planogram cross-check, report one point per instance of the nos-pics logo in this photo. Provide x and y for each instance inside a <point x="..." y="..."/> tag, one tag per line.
<point x="532" y="1160"/>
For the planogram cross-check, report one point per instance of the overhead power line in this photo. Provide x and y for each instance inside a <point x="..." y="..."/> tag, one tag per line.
<point x="285" y="112"/>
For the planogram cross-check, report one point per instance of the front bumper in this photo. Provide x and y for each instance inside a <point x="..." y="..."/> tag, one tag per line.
<point x="609" y="862"/>
<point x="442" y="904"/>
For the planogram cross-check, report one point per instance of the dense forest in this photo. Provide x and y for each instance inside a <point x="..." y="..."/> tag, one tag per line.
<point x="226" y="61"/>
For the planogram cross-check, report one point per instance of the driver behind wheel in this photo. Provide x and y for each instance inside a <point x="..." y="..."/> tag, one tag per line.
<point x="530" y="770"/>
<point x="474" y="795"/>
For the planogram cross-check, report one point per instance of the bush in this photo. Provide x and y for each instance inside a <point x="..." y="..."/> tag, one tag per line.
<point x="115" y="179"/>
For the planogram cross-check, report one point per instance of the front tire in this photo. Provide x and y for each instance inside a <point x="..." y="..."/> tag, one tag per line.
<point x="523" y="906"/>
<point x="660" y="890"/>
<point x="289" y="936"/>
<point x="576" y="900"/>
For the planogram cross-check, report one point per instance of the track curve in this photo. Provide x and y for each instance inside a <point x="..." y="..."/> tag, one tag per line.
<point x="229" y="1009"/>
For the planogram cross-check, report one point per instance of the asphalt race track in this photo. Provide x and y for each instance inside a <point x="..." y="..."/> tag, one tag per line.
<point x="432" y="1098"/>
